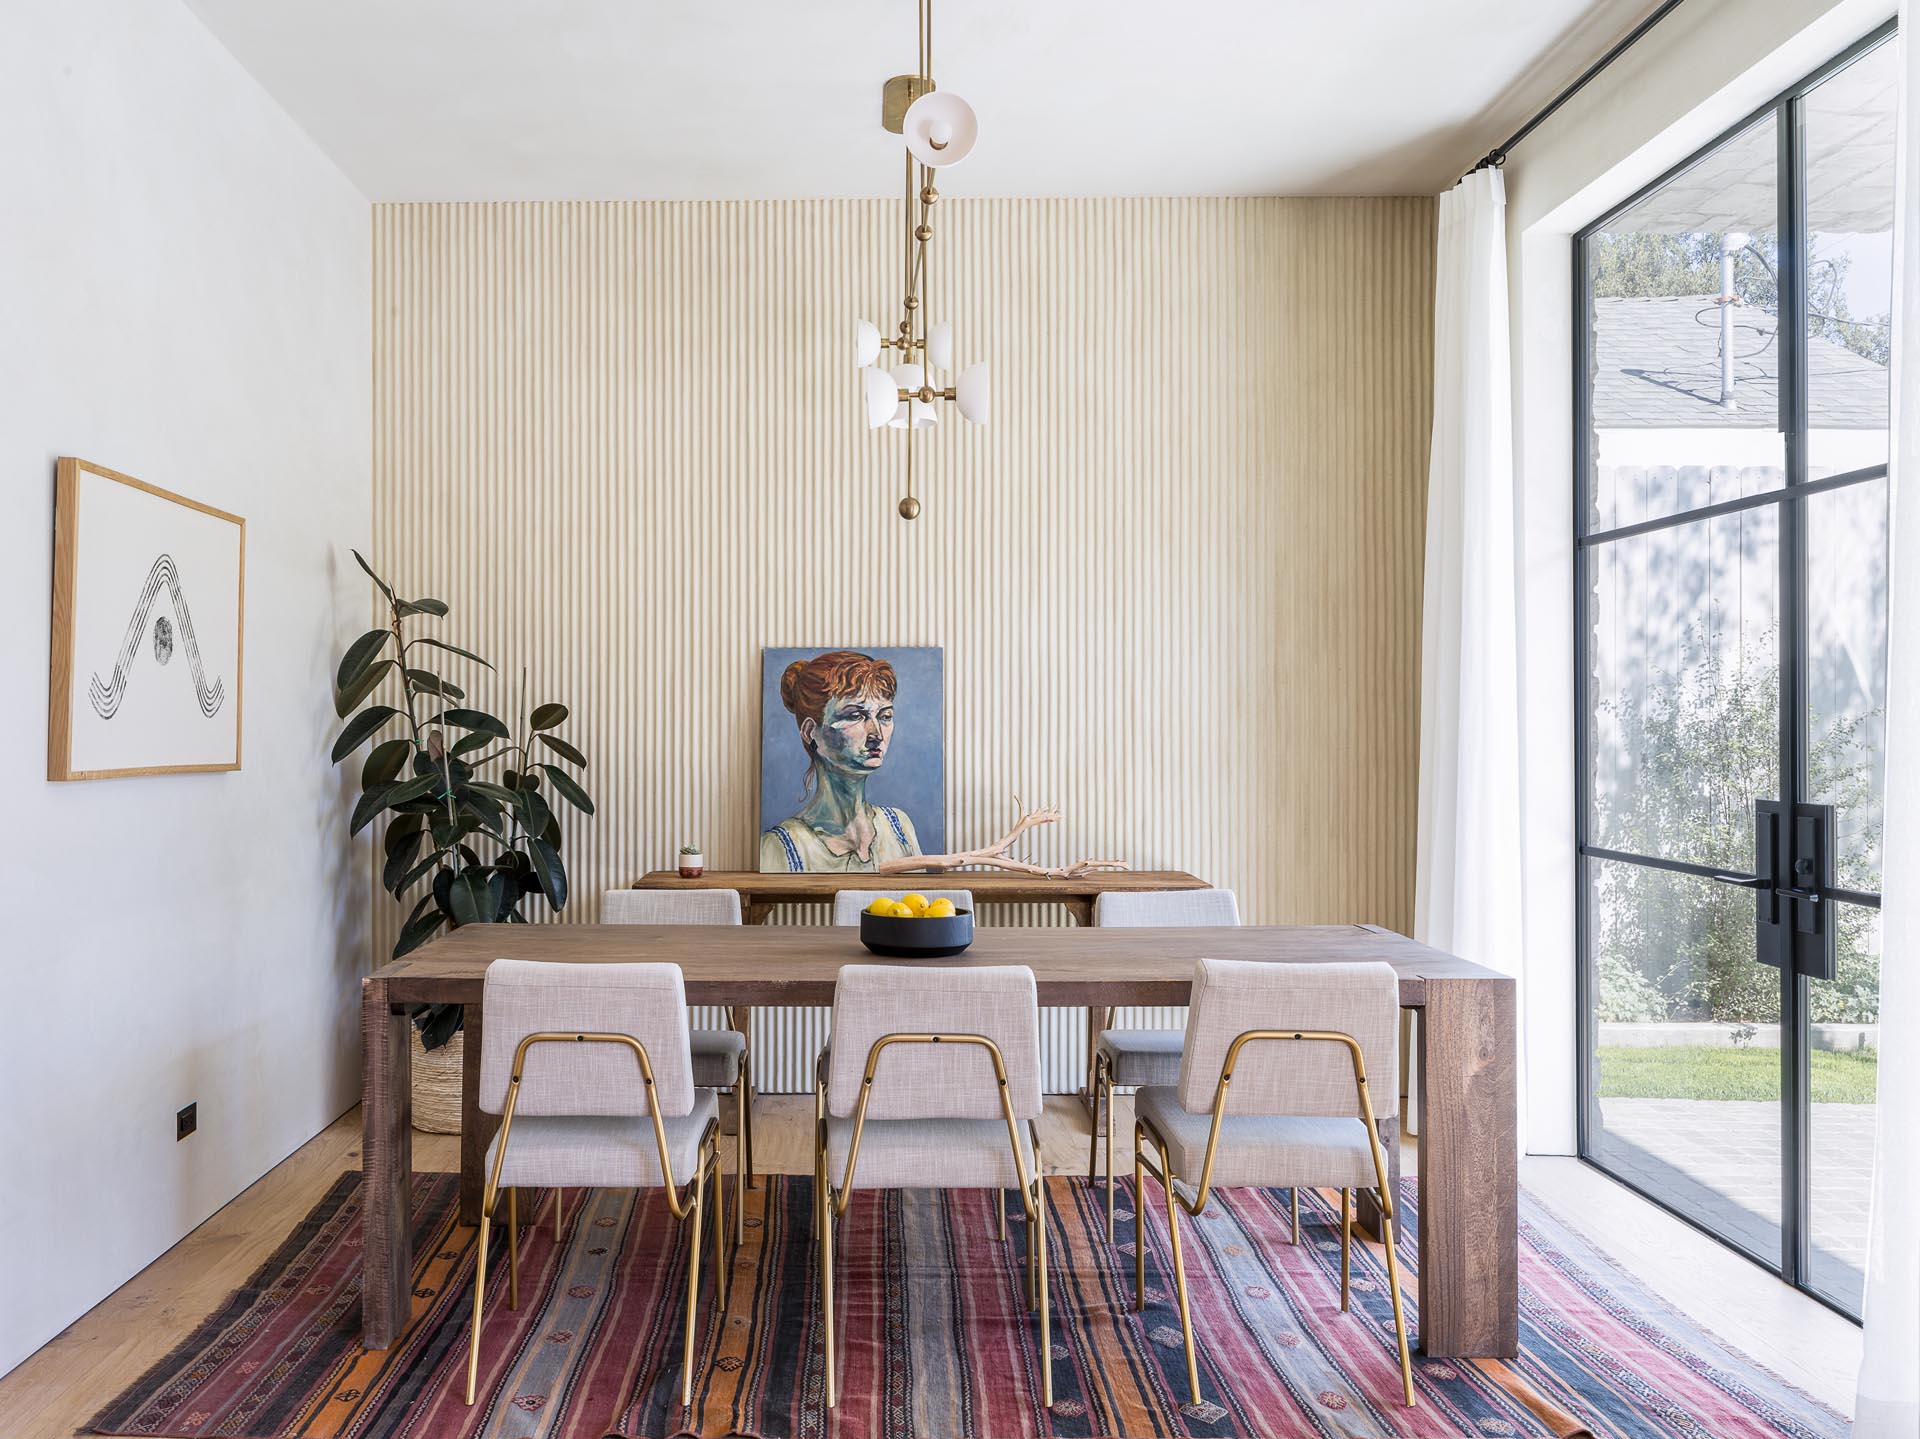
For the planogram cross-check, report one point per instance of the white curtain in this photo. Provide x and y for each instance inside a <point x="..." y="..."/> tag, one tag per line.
<point x="1888" y="1404"/>
<point x="1467" y="880"/>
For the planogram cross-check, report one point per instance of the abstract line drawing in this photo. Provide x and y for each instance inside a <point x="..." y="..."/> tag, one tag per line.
<point x="106" y="697"/>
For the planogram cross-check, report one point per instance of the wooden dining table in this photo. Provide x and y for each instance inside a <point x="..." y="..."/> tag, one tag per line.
<point x="1468" y="1149"/>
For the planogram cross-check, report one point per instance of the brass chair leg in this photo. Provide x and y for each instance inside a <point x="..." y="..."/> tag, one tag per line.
<point x="744" y="1124"/>
<point x="513" y="1248"/>
<point x="1180" y="1280"/>
<point x="693" y="1279"/>
<point x="1139" y="1224"/>
<point x="1346" y="1245"/>
<point x="1293" y="1196"/>
<point x="479" y="1303"/>
<point x="1033" y="1277"/>
<point x="1399" y="1317"/>
<point x="720" y="1223"/>
<point x="1109" y="1083"/>
<point x="742" y="1154"/>
<point x="1000" y="1205"/>
<point x="826" y="1285"/>
<point x="746" y="1081"/>
<point x="1040" y="1242"/>
<point x="1093" y="1127"/>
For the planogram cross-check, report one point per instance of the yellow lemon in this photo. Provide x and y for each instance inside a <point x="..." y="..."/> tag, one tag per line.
<point x="914" y="902"/>
<point x="882" y="905"/>
<point x="940" y="909"/>
<point x="901" y="911"/>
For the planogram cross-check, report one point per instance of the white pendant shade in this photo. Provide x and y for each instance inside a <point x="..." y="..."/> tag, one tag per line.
<point x="879" y="395"/>
<point x="972" y="393"/>
<point x="941" y="129"/>
<point x="866" y="343"/>
<point x="910" y="377"/>
<point x="940" y="345"/>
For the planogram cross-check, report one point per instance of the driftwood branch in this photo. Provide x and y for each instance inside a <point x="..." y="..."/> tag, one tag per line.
<point x="1000" y="854"/>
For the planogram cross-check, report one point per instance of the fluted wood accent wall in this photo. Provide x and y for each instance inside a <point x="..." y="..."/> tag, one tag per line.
<point x="1177" y="578"/>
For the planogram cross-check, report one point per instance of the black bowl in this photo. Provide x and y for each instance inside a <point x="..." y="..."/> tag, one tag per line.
<point x="916" y="938"/>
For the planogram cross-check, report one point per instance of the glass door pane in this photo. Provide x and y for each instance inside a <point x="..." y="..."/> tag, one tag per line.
<point x="1843" y="1065"/>
<point x="1849" y="125"/>
<point x="1684" y="688"/>
<point x="1686" y="1042"/>
<point x="1684" y="366"/>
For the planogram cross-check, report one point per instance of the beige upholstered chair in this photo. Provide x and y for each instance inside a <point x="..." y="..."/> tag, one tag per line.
<point x="1287" y="1071"/>
<point x="932" y="1081"/>
<point x="587" y="1066"/>
<point x="720" y="1056"/>
<point x="1133" y="1057"/>
<point x="848" y="903"/>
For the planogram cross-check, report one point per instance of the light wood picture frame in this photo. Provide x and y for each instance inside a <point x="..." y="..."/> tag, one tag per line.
<point x="149" y="607"/>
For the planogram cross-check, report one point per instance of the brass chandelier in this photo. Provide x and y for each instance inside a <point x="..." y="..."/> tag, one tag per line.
<point x="939" y="130"/>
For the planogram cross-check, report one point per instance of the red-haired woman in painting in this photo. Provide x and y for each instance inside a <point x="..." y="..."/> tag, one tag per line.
<point x="842" y="702"/>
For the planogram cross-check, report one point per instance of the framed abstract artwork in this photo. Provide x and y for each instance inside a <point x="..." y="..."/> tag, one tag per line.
<point x="852" y="757"/>
<point x="148" y="607"/>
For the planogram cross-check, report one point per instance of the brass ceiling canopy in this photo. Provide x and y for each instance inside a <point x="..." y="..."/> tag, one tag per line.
<point x="939" y="129"/>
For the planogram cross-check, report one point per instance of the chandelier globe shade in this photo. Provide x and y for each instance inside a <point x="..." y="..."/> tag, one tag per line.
<point x="866" y="343"/>
<point x="973" y="393"/>
<point x="924" y="416"/>
<point x="879" y="395"/>
<point x="940" y="129"/>
<point x="940" y="345"/>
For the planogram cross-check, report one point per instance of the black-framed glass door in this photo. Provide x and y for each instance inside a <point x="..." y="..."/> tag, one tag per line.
<point x="1734" y="331"/>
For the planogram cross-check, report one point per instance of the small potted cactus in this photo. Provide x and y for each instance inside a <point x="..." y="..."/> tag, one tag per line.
<point x="693" y="864"/>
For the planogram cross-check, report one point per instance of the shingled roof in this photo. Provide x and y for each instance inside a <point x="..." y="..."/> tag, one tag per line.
<point x="1657" y="366"/>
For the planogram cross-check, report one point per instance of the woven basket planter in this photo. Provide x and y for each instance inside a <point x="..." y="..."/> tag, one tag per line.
<point x="436" y="1084"/>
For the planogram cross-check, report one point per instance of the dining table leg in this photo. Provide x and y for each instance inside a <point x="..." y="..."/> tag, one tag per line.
<point x="386" y="1166"/>
<point x="1469" y="1199"/>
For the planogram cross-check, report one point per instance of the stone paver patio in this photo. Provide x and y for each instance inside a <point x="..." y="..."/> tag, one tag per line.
<point x="1718" y="1161"/>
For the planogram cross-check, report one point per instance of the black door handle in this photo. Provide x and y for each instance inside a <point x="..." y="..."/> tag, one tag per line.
<point x="1810" y="896"/>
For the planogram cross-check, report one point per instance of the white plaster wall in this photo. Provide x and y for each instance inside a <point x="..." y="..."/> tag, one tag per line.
<point x="1702" y="68"/>
<point x="184" y="285"/>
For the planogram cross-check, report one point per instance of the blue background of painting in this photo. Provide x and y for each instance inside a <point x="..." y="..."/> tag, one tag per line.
<point x="914" y="777"/>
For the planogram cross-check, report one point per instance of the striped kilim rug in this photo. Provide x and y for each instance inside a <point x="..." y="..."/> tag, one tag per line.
<point x="936" y="1342"/>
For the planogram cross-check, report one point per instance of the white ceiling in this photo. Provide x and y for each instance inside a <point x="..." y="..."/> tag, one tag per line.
<point x="694" y="99"/>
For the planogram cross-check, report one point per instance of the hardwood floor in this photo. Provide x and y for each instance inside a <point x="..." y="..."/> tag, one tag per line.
<point x="59" y="1388"/>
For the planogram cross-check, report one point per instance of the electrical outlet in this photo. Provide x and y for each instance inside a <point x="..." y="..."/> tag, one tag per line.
<point x="186" y="1121"/>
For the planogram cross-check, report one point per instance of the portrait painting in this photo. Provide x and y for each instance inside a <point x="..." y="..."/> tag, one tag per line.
<point x="147" y="611"/>
<point x="852" y="757"/>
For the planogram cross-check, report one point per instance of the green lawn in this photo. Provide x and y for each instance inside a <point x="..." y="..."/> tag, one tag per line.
<point x="1724" y="1072"/>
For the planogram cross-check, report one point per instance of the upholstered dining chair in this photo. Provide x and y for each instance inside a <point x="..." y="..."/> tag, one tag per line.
<point x="931" y="1081"/>
<point x="588" y="1067"/>
<point x="848" y="903"/>
<point x="1287" y="1071"/>
<point x="1133" y="1057"/>
<point x="722" y="1058"/>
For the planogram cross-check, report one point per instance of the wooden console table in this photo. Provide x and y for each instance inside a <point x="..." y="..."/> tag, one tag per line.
<point x="759" y="893"/>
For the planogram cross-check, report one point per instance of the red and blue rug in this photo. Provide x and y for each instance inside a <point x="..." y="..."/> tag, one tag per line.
<point x="935" y="1340"/>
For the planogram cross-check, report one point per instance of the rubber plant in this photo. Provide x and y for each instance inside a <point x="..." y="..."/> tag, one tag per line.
<point x="470" y="831"/>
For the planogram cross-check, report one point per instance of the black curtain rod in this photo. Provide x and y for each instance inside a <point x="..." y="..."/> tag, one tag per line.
<point x="1497" y="156"/>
